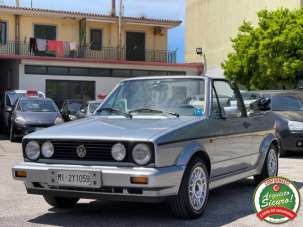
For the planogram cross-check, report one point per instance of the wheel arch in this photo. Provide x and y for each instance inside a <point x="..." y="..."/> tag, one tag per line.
<point x="191" y="151"/>
<point x="269" y="140"/>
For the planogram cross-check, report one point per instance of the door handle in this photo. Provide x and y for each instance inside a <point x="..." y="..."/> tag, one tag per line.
<point x="246" y="124"/>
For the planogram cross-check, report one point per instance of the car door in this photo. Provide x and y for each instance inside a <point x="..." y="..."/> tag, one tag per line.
<point x="230" y="130"/>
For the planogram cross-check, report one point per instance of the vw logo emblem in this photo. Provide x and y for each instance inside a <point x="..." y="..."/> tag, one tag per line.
<point x="81" y="151"/>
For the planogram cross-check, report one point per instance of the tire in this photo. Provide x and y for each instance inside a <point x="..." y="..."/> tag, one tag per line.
<point x="182" y="205"/>
<point x="60" y="202"/>
<point x="271" y="165"/>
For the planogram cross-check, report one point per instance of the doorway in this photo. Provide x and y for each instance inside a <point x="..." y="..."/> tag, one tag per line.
<point x="135" y="46"/>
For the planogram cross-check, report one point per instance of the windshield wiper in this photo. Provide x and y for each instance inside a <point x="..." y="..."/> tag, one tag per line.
<point x="148" y="110"/>
<point x="112" y="110"/>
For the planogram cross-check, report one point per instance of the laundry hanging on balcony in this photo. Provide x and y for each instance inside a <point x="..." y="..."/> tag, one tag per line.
<point x="72" y="46"/>
<point x="33" y="45"/>
<point x="56" y="46"/>
<point x="41" y="44"/>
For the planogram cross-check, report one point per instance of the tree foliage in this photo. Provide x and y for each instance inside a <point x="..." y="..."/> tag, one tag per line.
<point x="270" y="54"/>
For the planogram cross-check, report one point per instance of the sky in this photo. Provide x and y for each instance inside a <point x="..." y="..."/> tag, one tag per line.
<point x="164" y="9"/>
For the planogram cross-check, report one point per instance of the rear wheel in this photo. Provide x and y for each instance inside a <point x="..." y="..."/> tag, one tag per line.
<point x="60" y="202"/>
<point x="192" y="198"/>
<point x="271" y="165"/>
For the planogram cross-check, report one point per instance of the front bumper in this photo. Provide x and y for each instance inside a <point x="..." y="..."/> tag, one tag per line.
<point x="116" y="184"/>
<point x="23" y="130"/>
<point x="289" y="141"/>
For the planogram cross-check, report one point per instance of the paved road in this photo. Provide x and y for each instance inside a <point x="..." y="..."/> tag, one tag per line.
<point x="228" y="206"/>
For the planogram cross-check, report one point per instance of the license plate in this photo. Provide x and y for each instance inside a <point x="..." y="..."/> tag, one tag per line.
<point x="76" y="178"/>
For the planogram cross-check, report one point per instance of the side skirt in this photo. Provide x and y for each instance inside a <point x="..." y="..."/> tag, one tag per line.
<point x="230" y="178"/>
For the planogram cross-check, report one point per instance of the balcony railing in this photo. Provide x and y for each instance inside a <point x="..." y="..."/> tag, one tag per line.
<point x="105" y="53"/>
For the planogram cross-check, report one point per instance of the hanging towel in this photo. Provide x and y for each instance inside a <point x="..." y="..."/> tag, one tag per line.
<point x="57" y="47"/>
<point x="41" y="44"/>
<point x="32" y="45"/>
<point x="60" y="49"/>
<point x="52" y="45"/>
<point x="72" y="46"/>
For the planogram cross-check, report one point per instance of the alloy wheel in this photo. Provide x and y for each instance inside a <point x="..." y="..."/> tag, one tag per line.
<point x="197" y="188"/>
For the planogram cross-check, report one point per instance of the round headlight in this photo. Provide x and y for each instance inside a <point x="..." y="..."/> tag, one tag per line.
<point x="141" y="154"/>
<point x="118" y="152"/>
<point x="47" y="149"/>
<point x="32" y="150"/>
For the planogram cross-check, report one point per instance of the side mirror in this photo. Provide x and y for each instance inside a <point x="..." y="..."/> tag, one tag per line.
<point x="9" y="109"/>
<point x="232" y="112"/>
<point x="261" y="104"/>
<point x="82" y="111"/>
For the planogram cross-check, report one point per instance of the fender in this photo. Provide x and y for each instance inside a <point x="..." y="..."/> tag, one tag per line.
<point x="264" y="148"/>
<point x="189" y="151"/>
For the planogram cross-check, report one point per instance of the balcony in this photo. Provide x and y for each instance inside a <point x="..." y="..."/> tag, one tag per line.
<point x="105" y="53"/>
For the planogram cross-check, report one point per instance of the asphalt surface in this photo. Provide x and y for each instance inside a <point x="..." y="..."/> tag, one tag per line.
<point x="228" y="206"/>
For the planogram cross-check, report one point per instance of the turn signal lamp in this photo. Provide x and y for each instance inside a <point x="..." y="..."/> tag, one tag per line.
<point x="20" y="173"/>
<point x="139" y="180"/>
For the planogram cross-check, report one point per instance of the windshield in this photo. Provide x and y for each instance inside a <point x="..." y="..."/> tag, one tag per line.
<point x="182" y="96"/>
<point x="13" y="97"/>
<point x="286" y="103"/>
<point x="93" y="106"/>
<point x="36" y="106"/>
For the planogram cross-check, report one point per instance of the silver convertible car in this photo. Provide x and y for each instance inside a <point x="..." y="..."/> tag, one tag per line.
<point x="153" y="139"/>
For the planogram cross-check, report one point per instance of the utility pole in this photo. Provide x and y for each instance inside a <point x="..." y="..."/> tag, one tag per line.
<point x="121" y="14"/>
<point x="113" y="12"/>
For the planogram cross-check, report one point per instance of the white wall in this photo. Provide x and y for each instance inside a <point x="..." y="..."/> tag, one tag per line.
<point x="38" y="82"/>
<point x="103" y="84"/>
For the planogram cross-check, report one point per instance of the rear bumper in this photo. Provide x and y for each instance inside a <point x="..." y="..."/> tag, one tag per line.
<point x="116" y="184"/>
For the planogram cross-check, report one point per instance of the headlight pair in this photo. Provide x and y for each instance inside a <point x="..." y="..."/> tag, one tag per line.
<point x="33" y="150"/>
<point x="141" y="153"/>
<point x="295" y="126"/>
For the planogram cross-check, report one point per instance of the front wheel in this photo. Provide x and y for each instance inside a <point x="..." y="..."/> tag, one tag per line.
<point x="193" y="194"/>
<point x="271" y="165"/>
<point x="60" y="202"/>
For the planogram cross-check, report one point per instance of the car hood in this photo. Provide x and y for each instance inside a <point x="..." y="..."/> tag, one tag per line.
<point x="39" y="118"/>
<point x="112" y="128"/>
<point x="292" y="115"/>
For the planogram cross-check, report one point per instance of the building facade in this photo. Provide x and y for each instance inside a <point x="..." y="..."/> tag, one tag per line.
<point x="62" y="52"/>
<point x="211" y="24"/>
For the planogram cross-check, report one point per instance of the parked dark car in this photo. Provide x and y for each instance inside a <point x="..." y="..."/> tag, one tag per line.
<point x="8" y="100"/>
<point x="70" y="108"/>
<point x="288" y="106"/>
<point x="88" y="109"/>
<point x="32" y="114"/>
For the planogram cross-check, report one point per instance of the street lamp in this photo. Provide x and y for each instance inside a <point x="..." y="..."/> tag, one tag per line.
<point x="199" y="51"/>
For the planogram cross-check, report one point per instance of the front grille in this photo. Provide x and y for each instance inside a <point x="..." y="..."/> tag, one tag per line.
<point x="95" y="150"/>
